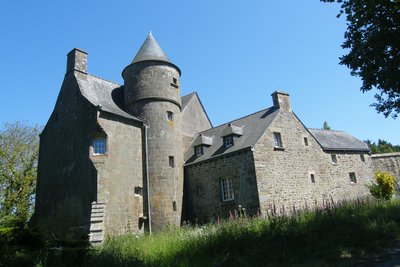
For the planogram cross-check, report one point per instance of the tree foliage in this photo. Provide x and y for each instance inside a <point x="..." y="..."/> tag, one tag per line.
<point x="384" y="185"/>
<point x="373" y="45"/>
<point x="382" y="147"/>
<point x="326" y="126"/>
<point x="19" y="148"/>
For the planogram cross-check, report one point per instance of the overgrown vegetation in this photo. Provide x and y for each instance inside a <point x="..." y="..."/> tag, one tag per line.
<point x="384" y="185"/>
<point x="382" y="146"/>
<point x="19" y="149"/>
<point x="332" y="235"/>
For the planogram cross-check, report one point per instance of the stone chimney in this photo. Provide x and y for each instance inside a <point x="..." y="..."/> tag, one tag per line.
<point x="77" y="61"/>
<point x="281" y="100"/>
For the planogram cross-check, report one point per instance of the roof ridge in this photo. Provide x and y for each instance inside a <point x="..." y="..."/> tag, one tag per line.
<point x="265" y="109"/>
<point x="94" y="76"/>
<point x="326" y="130"/>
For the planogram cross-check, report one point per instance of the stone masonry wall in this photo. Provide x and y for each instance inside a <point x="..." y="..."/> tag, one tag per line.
<point x="389" y="162"/>
<point x="204" y="185"/>
<point x="283" y="175"/>
<point x="119" y="171"/>
<point x="66" y="185"/>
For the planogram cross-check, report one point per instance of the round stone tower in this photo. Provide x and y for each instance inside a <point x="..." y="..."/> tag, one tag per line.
<point x="152" y="93"/>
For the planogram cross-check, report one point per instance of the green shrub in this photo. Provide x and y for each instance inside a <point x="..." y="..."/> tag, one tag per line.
<point x="384" y="185"/>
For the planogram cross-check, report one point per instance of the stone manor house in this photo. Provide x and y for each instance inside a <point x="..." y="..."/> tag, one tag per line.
<point x="139" y="156"/>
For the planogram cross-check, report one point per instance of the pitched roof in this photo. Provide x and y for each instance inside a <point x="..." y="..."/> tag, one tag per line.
<point x="186" y="98"/>
<point x="338" y="141"/>
<point x="150" y="50"/>
<point x="254" y="125"/>
<point x="107" y="95"/>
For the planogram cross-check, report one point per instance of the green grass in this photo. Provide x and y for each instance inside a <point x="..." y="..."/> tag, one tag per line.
<point x="334" y="235"/>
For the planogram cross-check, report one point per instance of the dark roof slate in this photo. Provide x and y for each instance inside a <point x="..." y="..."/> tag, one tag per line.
<point x="253" y="125"/>
<point x="338" y="141"/>
<point x="107" y="95"/>
<point x="150" y="50"/>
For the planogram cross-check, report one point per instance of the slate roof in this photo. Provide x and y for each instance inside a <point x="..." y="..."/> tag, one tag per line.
<point x="150" y="50"/>
<point x="254" y="125"/>
<point x="338" y="141"/>
<point x="104" y="93"/>
<point x="186" y="98"/>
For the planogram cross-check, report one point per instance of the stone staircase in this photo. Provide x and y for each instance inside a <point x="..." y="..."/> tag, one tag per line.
<point x="96" y="235"/>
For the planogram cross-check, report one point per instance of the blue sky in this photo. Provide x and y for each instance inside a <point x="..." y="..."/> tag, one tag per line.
<point x="233" y="53"/>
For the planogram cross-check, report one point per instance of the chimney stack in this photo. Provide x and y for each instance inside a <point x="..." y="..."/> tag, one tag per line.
<point x="281" y="100"/>
<point x="77" y="61"/>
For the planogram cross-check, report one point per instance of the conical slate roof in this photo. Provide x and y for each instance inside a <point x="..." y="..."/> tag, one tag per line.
<point x="150" y="50"/>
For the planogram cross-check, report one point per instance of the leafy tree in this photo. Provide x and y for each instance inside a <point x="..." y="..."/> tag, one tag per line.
<point x="384" y="185"/>
<point x="382" y="147"/>
<point x="19" y="147"/>
<point x="326" y="126"/>
<point x="373" y="45"/>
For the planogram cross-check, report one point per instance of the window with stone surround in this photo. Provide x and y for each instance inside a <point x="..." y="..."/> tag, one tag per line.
<point x="170" y="115"/>
<point x="175" y="83"/>
<point x="353" y="178"/>
<point x="312" y="177"/>
<point x="362" y="157"/>
<point x="138" y="191"/>
<point x="305" y="141"/>
<point x="228" y="141"/>
<point x="99" y="145"/>
<point x="171" y="161"/>
<point x="334" y="159"/>
<point x="278" y="140"/>
<point x="227" y="189"/>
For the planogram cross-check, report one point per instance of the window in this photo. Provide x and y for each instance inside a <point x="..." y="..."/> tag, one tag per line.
<point x="334" y="159"/>
<point x="199" y="190"/>
<point x="99" y="146"/>
<point x="227" y="189"/>
<point x="174" y="205"/>
<point x="138" y="190"/>
<point x="278" y="139"/>
<point x="171" y="162"/>
<point x="170" y="115"/>
<point x="305" y="141"/>
<point x="353" y="178"/>
<point x="312" y="176"/>
<point x="362" y="157"/>
<point x="228" y="141"/>
<point x="199" y="151"/>
<point x="175" y="83"/>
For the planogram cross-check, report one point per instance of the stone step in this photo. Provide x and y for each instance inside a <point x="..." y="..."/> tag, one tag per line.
<point x="96" y="220"/>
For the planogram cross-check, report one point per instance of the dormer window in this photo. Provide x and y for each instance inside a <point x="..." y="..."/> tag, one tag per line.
<point x="199" y="151"/>
<point x="228" y="141"/>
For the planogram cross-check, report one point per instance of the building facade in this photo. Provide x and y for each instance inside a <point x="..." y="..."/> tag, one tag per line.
<point x="139" y="156"/>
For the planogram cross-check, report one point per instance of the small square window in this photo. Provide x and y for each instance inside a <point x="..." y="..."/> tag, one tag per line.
<point x="277" y="140"/>
<point x="170" y="115"/>
<point x="175" y="83"/>
<point x="312" y="176"/>
<point x="305" y="141"/>
<point x="227" y="189"/>
<point x="228" y="141"/>
<point x="353" y="178"/>
<point x="199" y="151"/>
<point x="334" y="159"/>
<point x="99" y="146"/>
<point x="138" y="190"/>
<point x="362" y="157"/>
<point x="171" y="162"/>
